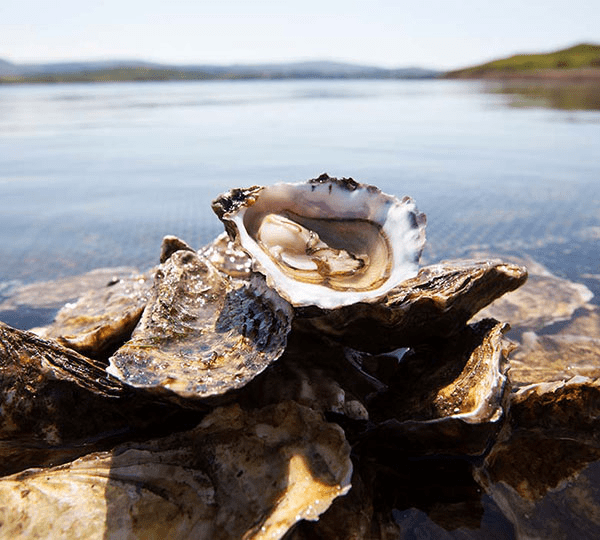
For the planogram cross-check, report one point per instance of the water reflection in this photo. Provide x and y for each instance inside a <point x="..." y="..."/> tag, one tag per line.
<point x="549" y="94"/>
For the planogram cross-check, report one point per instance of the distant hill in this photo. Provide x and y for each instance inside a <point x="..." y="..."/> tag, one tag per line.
<point x="131" y="70"/>
<point x="583" y="59"/>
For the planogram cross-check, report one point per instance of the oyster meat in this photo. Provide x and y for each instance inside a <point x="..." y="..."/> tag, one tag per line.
<point x="327" y="242"/>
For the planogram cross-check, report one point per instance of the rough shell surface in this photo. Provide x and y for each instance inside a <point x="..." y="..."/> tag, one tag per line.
<point x="327" y="242"/>
<point x="315" y="373"/>
<point x="202" y="334"/>
<point x="544" y="300"/>
<point x="544" y="470"/>
<point x="56" y="405"/>
<point x="436" y="303"/>
<point x="447" y="397"/>
<point x="102" y="317"/>
<point x="237" y="475"/>
<point x="227" y="257"/>
<point x="36" y="304"/>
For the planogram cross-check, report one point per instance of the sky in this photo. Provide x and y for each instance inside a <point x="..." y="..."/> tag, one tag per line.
<point x="434" y="34"/>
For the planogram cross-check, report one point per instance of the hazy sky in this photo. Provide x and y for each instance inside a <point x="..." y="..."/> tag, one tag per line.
<point x="391" y="33"/>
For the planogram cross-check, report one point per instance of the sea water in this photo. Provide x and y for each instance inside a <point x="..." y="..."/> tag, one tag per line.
<point x="94" y="175"/>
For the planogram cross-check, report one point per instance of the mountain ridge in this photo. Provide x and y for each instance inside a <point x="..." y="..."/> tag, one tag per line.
<point x="108" y="70"/>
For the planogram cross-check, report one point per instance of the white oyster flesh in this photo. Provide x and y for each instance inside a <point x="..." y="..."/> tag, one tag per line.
<point x="326" y="242"/>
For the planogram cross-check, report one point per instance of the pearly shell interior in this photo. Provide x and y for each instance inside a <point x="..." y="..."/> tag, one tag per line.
<point x="328" y="242"/>
<point x="341" y="254"/>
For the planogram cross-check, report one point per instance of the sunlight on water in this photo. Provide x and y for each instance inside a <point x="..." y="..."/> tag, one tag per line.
<point x="95" y="175"/>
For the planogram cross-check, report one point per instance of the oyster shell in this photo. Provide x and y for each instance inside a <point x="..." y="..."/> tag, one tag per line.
<point x="446" y="397"/>
<point x="544" y="300"/>
<point x="101" y="318"/>
<point x="236" y="475"/>
<point x="227" y="257"/>
<point x="202" y="334"/>
<point x="437" y="303"/>
<point x="544" y="471"/>
<point x="36" y="304"/>
<point x="56" y="404"/>
<point x="328" y="242"/>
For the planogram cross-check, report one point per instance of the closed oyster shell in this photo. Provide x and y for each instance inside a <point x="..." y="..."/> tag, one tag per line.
<point x="56" y="404"/>
<point x="446" y="397"/>
<point x="328" y="242"/>
<point x="544" y="300"/>
<point x="544" y="471"/>
<point x="36" y="304"/>
<point x="437" y="303"/>
<point x="101" y="318"/>
<point x="237" y="475"/>
<point x="202" y="334"/>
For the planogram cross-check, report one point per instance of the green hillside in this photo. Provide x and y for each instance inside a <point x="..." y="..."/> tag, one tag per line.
<point x="585" y="55"/>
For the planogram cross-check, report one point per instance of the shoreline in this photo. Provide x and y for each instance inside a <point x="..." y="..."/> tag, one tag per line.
<point x="567" y="76"/>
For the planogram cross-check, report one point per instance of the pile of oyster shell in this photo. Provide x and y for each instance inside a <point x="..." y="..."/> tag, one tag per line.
<point x="300" y="376"/>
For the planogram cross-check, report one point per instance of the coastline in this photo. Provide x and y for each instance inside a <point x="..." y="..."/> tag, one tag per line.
<point x="575" y="75"/>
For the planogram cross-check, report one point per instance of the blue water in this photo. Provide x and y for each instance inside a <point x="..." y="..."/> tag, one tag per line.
<point x="95" y="175"/>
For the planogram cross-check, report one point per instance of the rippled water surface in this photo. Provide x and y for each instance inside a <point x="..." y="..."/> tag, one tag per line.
<point x="95" y="175"/>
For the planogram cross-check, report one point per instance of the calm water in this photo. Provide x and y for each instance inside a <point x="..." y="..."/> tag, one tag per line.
<point x="96" y="175"/>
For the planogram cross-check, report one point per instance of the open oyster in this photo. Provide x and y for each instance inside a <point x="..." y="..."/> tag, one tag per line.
<point x="328" y="242"/>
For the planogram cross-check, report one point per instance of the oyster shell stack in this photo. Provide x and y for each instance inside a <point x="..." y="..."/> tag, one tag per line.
<point x="219" y="394"/>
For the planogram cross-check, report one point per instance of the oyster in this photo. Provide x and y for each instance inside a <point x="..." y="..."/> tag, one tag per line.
<point x="36" y="304"/>
<point x="101" y="318"/>
<point x="544" y="300"/>
<point x="544" y="470"/>
<point x="202" y="334"/>
<point x="328" y="242"/>
<point x="437" y="303"/>
<point x="56" y="404"/>
<point x="238" y="474"/>
<point x="446" y="397"/>
<point x="227" y="257"/>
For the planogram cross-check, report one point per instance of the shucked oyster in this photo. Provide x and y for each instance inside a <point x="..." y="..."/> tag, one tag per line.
<point x="328" y="242"/>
